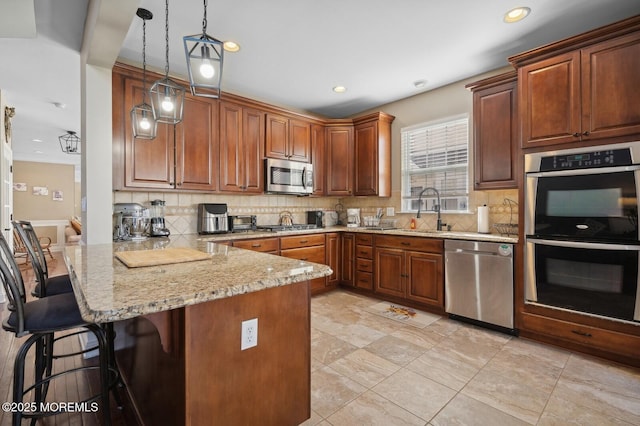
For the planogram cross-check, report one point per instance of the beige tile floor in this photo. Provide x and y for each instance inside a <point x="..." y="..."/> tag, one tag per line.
<point x="369" y="368"/>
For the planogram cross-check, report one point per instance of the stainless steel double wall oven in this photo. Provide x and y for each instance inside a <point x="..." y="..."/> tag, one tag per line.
<point x="581" y="226"/>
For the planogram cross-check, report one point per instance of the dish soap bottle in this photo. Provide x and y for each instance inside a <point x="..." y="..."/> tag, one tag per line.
<point x="412" y="225"/>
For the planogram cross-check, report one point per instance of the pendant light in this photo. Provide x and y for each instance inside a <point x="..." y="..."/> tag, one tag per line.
<point x="142" y="120"/>
<point x="205" y="55"/>
<point x="70" y="143"/>
<point x="167" y="96"/>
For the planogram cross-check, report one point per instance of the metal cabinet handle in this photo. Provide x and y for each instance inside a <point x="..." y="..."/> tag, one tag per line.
<point x="304" y="241"/>
<point x="587" y="133"/>
<point x="404" y="243"/>
<point x="581" y="333"/>
<point x="256" y="245"/>
<point x="576" y="134"/>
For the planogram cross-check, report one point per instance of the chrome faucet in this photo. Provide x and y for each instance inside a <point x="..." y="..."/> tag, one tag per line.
<point x="436" y="207"/>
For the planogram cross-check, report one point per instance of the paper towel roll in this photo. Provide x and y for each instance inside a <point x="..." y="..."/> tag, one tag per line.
<point x="483" y="219"/>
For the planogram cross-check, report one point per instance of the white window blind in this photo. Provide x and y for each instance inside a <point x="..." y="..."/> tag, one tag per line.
<point x="436" y="155"/>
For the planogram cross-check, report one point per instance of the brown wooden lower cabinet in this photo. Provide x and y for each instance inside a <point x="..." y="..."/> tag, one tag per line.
<point x="410" y="268"/>
<point x="347" y="266"/>
<point x="308" y="248"/>
<point x="364" y="261"/>
<point x="185" y="366"/>
<point x="625" y="347"/>
<point x="332" y="258"/>
<point x="264" y="245"/>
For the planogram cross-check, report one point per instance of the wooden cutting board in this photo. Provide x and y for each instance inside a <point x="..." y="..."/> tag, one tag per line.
<point x="139" y="258"/>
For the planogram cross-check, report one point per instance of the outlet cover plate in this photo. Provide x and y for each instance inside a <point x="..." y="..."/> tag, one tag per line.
<point x="249" y="337"/>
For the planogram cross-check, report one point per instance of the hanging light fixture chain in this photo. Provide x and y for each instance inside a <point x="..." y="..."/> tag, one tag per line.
<point x="144" y="61"/>
<point x="204" y="19"/>
<point x="166" y="38"/>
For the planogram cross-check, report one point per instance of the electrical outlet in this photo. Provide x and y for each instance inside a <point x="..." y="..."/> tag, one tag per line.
<point x="249" y="337"/>
<point x="391" y="211"/>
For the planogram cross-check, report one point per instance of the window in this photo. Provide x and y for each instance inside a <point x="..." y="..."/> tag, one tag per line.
<point x="435" y="155"/>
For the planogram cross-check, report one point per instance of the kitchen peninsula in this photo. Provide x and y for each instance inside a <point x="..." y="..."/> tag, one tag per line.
<point x="180" y="326"/>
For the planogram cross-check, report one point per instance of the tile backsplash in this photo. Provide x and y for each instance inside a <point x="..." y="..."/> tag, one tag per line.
<point x="181" y="208"/>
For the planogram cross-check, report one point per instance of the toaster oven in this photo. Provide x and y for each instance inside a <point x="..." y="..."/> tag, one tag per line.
<point x="242" y="223"/>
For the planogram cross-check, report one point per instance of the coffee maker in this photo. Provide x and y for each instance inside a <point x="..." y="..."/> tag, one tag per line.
<point x="158" y="228"/>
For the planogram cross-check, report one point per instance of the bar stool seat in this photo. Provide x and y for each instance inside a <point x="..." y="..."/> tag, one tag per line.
<point x="55" y="312"/>
<point x="59" y="284"/>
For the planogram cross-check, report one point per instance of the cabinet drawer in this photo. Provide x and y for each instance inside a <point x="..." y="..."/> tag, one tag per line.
<point x="364" y="280"/>
<point x="364" y="265"/>
<point x="432" y="245"/>
<point x="607" y="340"/>
<point x="308" y="254"/>
<point x="364" y="252"/>
<point x="301" y="241"/>
<point x="262" y="245"/>
<point x="364" y="239"/>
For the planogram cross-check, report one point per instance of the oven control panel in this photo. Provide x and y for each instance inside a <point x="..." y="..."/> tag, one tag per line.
<point x="587" y="160"/>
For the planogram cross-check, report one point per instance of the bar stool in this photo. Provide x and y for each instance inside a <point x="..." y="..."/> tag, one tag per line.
<point x="60" y="284"/>
<point x="40" y="319"/>
<point x="45" y="285"/>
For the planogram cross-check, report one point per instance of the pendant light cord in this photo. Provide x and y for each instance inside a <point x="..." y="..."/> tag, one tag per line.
<point x="204" y="19"/>
<point x="144" y="61"/>
<point x="166" y="38"/>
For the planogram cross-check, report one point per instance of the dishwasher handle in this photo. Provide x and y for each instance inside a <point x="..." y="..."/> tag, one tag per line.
<point x="475" y="252"/>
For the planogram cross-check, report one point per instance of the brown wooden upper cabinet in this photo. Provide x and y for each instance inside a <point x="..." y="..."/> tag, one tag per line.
<point x="495" y="132"/>
<point x="288" y="138"/>
<point x="241" y="149"/>
<point x="372" y="154"/>
<point x="183" y="157"/>
<point x="319" y="158"/>
<point x="339" y="165"/>
<point x="583" y="88"/>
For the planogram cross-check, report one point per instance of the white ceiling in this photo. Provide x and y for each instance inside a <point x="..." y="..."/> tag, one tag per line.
<point x="292" y="51"/>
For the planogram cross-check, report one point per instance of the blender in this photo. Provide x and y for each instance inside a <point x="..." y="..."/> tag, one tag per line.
<point x="158" y="228"/>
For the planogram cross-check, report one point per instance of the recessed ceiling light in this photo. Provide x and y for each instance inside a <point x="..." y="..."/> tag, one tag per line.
<point x="231" y="46"/>
<point x="339" y="89"/>
<point x="516" y="14"/>
<point x="59" y="105"/>
<point x="419" y="84"/>
<point x="38" y="152"/>
<point x="36" y="140"/>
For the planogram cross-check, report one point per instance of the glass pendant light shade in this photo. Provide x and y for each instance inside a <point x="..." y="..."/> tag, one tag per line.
<point x="70" y="143"/>
<point x="167" y="100"/>
<point x="205" y="56"/>
<point x="167" y="96"/>
<point x="143" y="123"/>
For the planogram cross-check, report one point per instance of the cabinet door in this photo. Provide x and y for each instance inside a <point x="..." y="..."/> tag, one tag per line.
<point x="366" y="159"/>
<point x="332" y="253"/>
<point x="315" y="254"/>
<point x="495" y="134"/>
<point x="347" y="268"/>
<point x="318" y="158"/>
<point x="390" y="275"/>
<point x="550" y="102"/>
<point x="425" y="280"/>
<point x="241" y="145"/>
<point x="299" y="141"/>
<point x="277" y="142"/>
<point x="339" y="160"/>
<point x="610" y="84"/>
<point x="197" y="145"/>
<point x="253" y="150"/>
<point x="148" y="163"/>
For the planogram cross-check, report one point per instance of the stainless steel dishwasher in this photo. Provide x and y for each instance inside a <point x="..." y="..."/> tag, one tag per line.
<point x="479" y="281"/>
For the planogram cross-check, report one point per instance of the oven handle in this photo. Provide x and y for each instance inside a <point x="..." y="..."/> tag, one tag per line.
<point x="580" y="244"/>
<point x="591" y="171"/>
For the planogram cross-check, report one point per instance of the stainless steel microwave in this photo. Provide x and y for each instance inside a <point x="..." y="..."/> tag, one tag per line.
<point x="288" y="177"/>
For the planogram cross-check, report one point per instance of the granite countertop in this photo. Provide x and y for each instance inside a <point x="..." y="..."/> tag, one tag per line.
<point x="107" y="290"/>
<point x="453" y="235"/>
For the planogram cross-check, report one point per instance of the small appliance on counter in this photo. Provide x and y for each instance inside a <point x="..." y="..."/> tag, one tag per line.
<point x="130" y="222"/>
<point x="242" y="223"/>
<point x="330" y="218"/>
<point x="158" y="228"/>
<point x="353" y="218"/>
<point x="212" y="219"/>
<point x="315" y="217"/>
